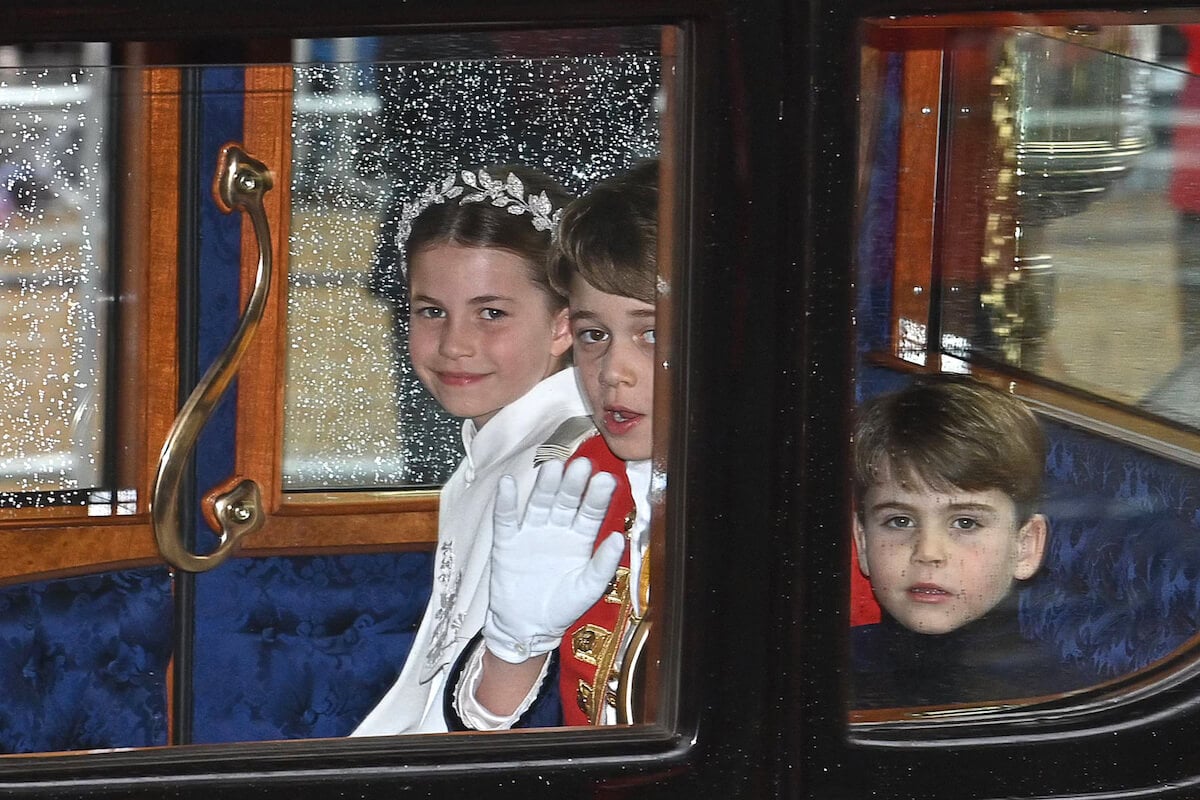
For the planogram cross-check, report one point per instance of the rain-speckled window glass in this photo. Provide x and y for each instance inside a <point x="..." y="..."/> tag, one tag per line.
<point x="54" y="273"/>
<point x="375" y="122"/>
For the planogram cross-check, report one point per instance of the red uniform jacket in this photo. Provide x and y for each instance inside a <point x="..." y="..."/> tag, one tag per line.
<point x="587" y="656"/>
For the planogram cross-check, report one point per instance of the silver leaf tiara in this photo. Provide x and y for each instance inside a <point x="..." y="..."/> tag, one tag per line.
<point x="478" y="187"/>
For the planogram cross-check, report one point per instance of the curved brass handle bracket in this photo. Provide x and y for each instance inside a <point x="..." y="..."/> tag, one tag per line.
<point x="631" y="674"/>
<point x="240" y="183"/>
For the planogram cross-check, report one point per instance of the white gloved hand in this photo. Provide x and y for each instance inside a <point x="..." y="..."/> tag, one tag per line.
<point x="544" y="573"/>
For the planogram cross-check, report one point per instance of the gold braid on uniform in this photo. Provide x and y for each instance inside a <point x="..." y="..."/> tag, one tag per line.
<point x="597" y="646"/>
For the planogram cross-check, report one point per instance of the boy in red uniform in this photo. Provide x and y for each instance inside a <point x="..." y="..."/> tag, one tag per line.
<point x="569" y="575"/>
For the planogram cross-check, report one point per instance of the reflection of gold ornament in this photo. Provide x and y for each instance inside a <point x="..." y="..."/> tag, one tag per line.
<point x="1000" y="229"/>
<point x="1078" y="116"/>
<point x="1067" y="125"/>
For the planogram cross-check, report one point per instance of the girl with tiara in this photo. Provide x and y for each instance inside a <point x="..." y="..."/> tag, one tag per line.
<point x="489" y="339"/>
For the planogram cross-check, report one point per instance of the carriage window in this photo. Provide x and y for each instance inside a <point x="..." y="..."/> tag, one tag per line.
<point x="1027" y="256"/>
<point x="138" y="264"/>
<point x="55" y="277"/>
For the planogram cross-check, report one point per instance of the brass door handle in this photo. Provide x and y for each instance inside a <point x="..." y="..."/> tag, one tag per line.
<point x="631" y="674"/>
<point x="240" y="183"/>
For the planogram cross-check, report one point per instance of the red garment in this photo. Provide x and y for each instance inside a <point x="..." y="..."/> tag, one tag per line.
<point x="1185" y="138"/>
<point x="594" y="639"/>
<point x="1192" y="34"/>
<point x="864" y="608"/>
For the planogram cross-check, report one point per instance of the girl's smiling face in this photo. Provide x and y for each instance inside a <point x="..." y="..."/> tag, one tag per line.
<point x="939" y="559"/>
<point x="482" y="333"/>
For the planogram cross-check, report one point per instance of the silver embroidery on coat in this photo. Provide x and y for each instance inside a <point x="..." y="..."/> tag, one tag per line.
<point x="447" y="624"/>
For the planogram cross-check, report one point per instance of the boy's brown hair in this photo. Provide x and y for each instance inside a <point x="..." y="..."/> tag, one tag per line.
<point x="951" y="432"/>
<point x="609" y="236"/>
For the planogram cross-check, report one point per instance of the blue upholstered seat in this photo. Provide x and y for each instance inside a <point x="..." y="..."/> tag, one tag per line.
<point x="1118" y="589"/>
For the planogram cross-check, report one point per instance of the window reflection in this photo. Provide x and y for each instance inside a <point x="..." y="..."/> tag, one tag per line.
<point x="1081" y="188"/>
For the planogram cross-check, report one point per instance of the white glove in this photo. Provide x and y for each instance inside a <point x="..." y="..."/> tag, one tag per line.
<point x="544" y="573"/>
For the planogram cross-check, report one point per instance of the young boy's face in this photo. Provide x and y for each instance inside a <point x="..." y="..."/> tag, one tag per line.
<point x="614" y="354"/>
<point x="938" y="560"/>
<point x="481" y="331"/>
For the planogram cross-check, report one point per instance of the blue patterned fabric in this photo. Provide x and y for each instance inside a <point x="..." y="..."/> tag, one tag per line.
<point x="1118" y="588"/>
<point x="83" y="662"/>
<point x="302" y="647"/>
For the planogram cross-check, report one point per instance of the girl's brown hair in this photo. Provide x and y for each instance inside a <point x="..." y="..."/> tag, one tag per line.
<point x="484" y="224"/>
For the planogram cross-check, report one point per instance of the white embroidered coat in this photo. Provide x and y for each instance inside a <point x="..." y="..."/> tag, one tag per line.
<point x="505" y="446"/>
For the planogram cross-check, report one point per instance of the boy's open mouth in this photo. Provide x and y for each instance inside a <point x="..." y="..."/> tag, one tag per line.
<point x="927" y="592"/>
<point x="620" y="420"/>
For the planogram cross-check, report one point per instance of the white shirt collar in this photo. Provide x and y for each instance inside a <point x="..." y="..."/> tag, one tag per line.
<point x="505" y="432"/>
<point x="638" y="473"/>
